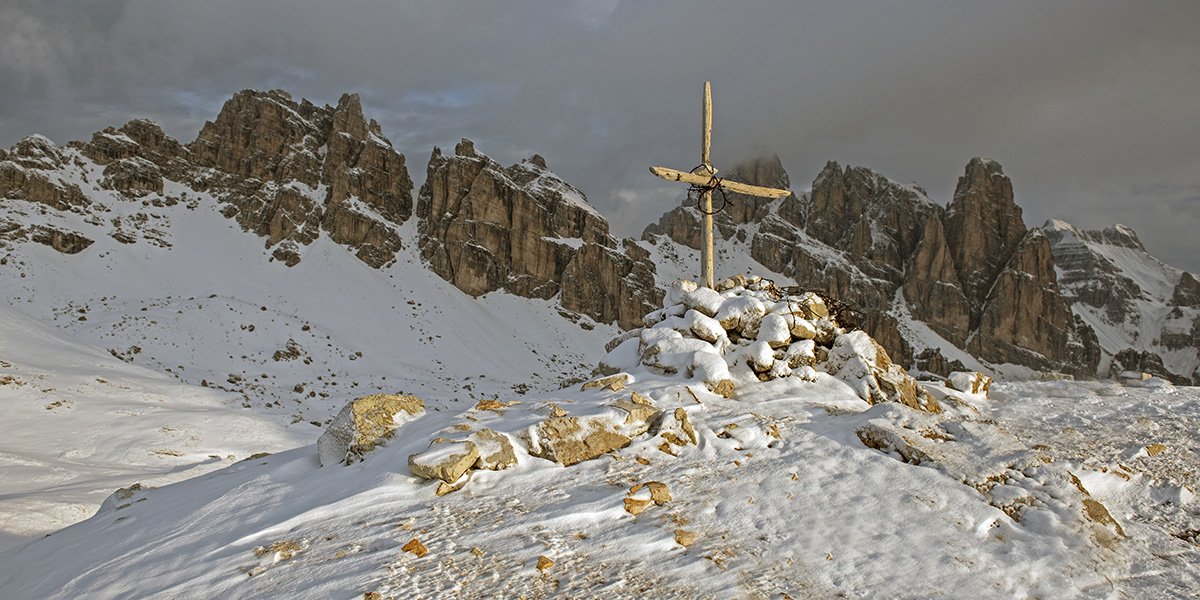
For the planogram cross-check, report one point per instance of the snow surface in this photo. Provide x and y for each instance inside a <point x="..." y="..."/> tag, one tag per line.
<point x="783" y="495"/>
<point x="199" y="301"/>
<point x="784" y="498"/>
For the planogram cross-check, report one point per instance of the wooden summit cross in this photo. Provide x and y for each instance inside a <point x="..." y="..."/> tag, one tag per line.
<point x="705" y="178"/>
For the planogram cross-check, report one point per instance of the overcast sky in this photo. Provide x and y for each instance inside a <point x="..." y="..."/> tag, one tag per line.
<point x="1093" y="108"/>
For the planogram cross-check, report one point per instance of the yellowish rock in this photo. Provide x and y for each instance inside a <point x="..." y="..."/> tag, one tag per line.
<point x="493" y="405"/>
<point x="635" y="506"/>
<point x="724" y="388"/>
<point x="416" y="547"/>
<point x="364" y="424"/>
<point x="495" y="450"/>
<point x="685" y="538"/>
<point x="570" y="440"/>
<point x="658" y="491"/>
<point x="615" y="383"/>
<point x="544" y="563"/>
<point x="445" y="459"/>
<point x="677" y="429"/>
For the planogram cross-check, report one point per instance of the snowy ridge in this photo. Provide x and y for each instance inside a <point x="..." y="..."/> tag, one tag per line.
<point x="793" y="487"/>
<point x="186" y="293"/>
<point x="79" y="423"/>
<point x="1125" y="294"/>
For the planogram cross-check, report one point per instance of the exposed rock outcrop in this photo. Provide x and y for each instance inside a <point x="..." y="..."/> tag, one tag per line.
<point x="484" y="227"/>
<point x="1148" y="312"/>
<point x="28" y="173"/>
<point x="1186" y="292"/>
<point x="364" y="424"/>
<point x="970" y="271"/>
<point x="290" y="170"/>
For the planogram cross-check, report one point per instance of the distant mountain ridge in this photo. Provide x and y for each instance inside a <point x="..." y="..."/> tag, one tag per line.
<point x="937" y="285"/>
<point x="1146" y="313"/>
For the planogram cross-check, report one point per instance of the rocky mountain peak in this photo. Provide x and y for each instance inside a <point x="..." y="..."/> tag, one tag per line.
<point x="523" y="229"/>
<point x="764" y="171"/>
<point x="1122" y="236"/>
<point x="862" y="212"/>
<point x="1146" y="313"/>
<point x="983" y="226"/>
<point x="36" y="152"/>
<point x="465" y="148"/>
<point x="289" y="170"/>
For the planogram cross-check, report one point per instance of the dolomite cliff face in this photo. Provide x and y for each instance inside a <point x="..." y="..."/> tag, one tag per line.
<point x="970" y="271"/>
<point x="1146" y="312"/>
<point x="289" y="170"/>
<point x="1017" y="313"/>
<point x="521" y="229"/>
<point x="285" y="171"/>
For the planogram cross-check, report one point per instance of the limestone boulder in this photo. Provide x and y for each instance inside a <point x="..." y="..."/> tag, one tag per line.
<point x="569" y="439"/>
<point x="970" y="382"/>
<point x="364" y="424"/>
<point x="703" y="300"/>
<point x="864" y="365"/>
<point x="445" y="459"/>
<point x="495" y="450"/>
<point x="676" y="428"/>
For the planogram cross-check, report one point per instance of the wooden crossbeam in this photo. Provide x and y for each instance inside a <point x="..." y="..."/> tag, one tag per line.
<point x="703" y="180"/>
<point x="707" y="181"/>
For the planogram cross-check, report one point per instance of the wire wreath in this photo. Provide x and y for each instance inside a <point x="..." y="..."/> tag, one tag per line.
<point x="714" y="183"/>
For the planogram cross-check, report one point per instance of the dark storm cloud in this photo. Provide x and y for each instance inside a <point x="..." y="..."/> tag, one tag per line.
<point x="1090" y="106"/>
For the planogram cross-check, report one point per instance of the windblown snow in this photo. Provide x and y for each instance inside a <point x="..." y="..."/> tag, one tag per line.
<point x="163" y="400"/>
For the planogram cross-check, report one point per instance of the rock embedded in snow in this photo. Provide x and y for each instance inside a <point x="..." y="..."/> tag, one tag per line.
<point x="445" y="459"/>
<point x="635" y="506"/>
<point x="678" y="290"/>
<point x="741" y="314"/>
<point x="705" y="327"/>
<point x="613" y="383"/>
<point x="495" y="450"/>
<point x="801" y="354"/>
<point x="571" y="440"/>
<point x="416" y="547"/>
<point x="759" y="356"/>
<point x="713" y="371"/>
<point x="685" y="538"/>
<point x="704" y="300"/>
<point x="774" y="330"/>
<point x="971" y="382"/>
<point x="861" y="362"/>
<point x="676" y="428"/>
<point x="365" y="423"/>
<point x="656" y="490"/>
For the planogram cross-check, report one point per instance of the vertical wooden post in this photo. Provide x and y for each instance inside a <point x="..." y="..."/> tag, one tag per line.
<point x="706" y="220"/>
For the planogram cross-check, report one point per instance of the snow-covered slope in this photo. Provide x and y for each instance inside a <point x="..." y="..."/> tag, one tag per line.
<point x="78" y="424"/>
<point x="190" y="295"/>
<point x="780" y="496"/>
<point x="1129" y="298"/>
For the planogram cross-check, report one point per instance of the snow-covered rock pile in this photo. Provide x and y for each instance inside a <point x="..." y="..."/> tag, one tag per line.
<point x="748" y="330"/>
